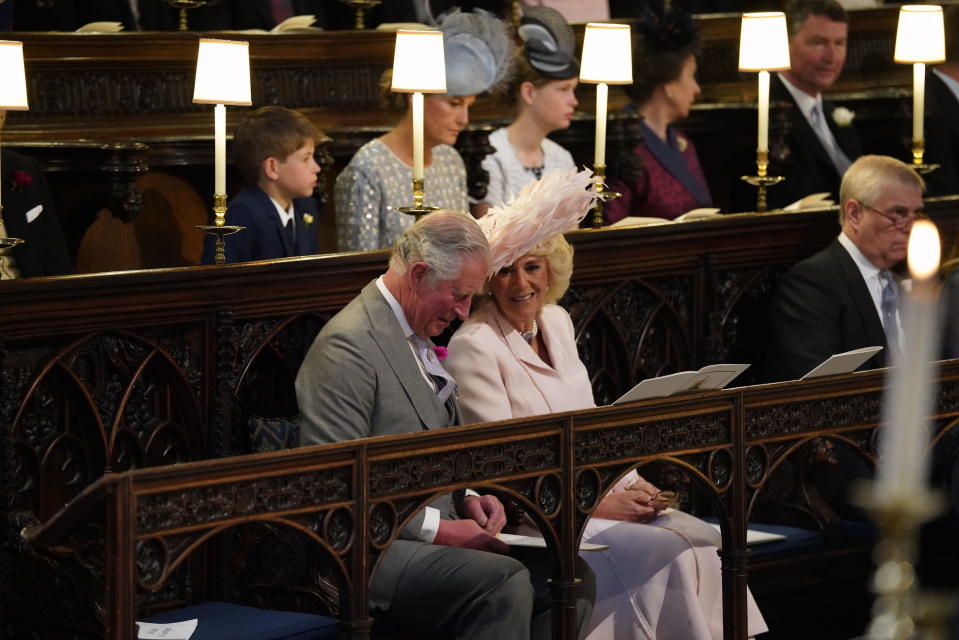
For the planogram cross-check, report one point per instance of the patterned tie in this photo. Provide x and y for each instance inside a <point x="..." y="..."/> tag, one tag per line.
<point x="281" y="10"/>
<point x="445" y="385"/>
<point x="821" y="127"/>
<point x="890" y="305"/>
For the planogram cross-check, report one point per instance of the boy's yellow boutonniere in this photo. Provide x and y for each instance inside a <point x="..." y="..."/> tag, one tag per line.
<point x="307" y="219"/>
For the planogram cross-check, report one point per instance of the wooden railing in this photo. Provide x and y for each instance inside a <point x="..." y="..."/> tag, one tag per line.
<point x="349" y="500"/>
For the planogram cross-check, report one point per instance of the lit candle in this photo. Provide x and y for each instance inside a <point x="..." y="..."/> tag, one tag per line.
<point x="918" y="99"/>
<point x="602" y="96"/>
<point x="417" y="135"/>
<point x="219" y="150"/>
<point x="763" y="141"/>
<point x="908" y="401"/>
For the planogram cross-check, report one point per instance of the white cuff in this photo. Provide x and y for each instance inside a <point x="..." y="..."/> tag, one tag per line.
<point x="431" y="524"/>
<point x="470" y="492"/>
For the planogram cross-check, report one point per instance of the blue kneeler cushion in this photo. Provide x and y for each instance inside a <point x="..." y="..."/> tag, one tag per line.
<point x="226" y="621"/>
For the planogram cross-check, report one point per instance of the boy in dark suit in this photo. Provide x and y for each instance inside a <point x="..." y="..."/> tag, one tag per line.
<point x="28" y="214"/>
<point x="273" y="149"/>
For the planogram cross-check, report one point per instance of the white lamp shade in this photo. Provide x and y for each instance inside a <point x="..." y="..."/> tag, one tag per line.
<point x="419" y="63"/>
<point x="763" y="43"/>
<point x="223" y="73"/>
<point x="607" y="54"/>
<point x="13" y="80"/>
<point x="920" y="36"/>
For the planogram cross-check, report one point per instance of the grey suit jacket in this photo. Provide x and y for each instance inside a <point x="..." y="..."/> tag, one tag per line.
<point x="360" y="379"/>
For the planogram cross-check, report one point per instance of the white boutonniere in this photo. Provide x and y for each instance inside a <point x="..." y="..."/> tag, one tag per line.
<point x="843" y="116"/>
<point x="307" y="219"/>
<point x="681" y="143"/>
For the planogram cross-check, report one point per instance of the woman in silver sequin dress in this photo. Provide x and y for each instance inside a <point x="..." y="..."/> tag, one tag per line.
<point x="379" y="177"/>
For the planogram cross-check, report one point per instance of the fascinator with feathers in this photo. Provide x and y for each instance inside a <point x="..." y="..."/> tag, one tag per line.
<point x="543" y="208"/>
<point x="549" y="44"/>
<point x="478" y="51"/>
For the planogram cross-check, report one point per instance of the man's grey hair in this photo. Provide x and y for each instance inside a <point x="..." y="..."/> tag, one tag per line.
<point x="442" y="239"/>
<point x="797" y="11"/>
<point x="866" y="177"/>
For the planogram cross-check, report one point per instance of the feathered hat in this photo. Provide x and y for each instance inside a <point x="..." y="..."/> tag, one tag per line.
<point x="666" y="27"/>
<point x="543" y="208"/>
<point x="549" y="43"/>
<point x="478" y="51"/>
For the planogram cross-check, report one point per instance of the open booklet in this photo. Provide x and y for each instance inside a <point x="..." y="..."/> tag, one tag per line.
<point x="812" y="201"/>
<point x="842" y="362"/>
<point x="167" y="631"/>
<point x="715" y="376"/>
<point x="754" y="536"/>
<point x="292" y="24"/>
<point x="516" y="540"/>
<point x="704" y="213"/>
<point x="101" y="27"/>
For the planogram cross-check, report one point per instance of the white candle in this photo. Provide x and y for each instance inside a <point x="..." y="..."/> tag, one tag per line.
<point x="908" y="401"/>
<point x="602" y="96"/>
<point x="762" y="143"/>
<point x="417" y="135"/>
<point x="918" y="99"/>
<point x="219" y="150"/>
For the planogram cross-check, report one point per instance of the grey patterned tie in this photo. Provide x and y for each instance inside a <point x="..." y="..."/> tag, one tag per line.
<point x="821" y="127"/>
<point x="890" y="305"/>
<point x="445" y="385"/>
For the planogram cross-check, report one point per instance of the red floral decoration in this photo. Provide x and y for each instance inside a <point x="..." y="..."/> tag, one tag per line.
<point x="441" y="353"/>
<point x="21" y="179"/>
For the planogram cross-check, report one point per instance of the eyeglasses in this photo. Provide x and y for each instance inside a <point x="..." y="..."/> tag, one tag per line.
<point x="900" y="218"/>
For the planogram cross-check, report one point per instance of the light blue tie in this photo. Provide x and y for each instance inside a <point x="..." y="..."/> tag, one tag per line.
<point x="890" y="305"/>
<point x="821" y="127"/>
<point x="445" y="385"/>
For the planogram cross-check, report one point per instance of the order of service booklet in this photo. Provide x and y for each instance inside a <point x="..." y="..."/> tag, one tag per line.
<point x="845" y="362"/>
<point x="712" y="377"/>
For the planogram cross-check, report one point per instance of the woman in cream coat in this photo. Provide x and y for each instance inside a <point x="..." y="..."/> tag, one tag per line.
<point x="516" y="356"/>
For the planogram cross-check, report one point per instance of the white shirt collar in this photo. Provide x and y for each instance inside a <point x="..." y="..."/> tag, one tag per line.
<point x="867" y="268"/>
<point x="951" y="82"/>
<point x="395" y="307"/>
<point x="804" y="101"/>
<point x="285" y="214"/>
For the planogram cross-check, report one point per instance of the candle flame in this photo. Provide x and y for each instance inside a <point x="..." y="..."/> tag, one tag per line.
<point x="924" y="250"/>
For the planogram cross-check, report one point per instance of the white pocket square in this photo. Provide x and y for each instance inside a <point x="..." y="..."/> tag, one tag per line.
<point x="34" y="213"/>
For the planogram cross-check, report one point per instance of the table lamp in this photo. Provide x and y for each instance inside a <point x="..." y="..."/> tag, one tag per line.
<point x="222" y="78"/>
<point x="763" y="47"/>
<point x="920" y="40"/>
<point x="419" y="66"/>
<point x="13" y="97"/>
<point x="607" y="59"/>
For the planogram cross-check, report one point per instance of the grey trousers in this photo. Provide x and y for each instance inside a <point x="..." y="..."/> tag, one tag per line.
<point x="467" y="594"/>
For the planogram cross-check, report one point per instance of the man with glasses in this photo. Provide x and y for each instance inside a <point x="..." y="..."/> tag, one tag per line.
<point x="845" y="297"/>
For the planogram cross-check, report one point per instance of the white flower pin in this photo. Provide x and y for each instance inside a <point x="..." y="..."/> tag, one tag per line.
<point x="843" y="116"/>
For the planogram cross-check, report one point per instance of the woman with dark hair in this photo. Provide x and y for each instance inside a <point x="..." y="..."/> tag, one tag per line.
<point x="543" y="92"/>
<point x="671" y="180"/>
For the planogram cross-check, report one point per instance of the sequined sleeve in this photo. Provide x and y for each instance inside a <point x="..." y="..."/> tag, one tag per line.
<point x="358" y="203"/>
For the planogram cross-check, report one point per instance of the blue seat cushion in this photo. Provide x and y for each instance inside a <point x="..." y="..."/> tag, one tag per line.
<point x="226" y="621"/>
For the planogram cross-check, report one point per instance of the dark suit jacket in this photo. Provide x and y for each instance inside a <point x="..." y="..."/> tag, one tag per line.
<point x="263" y="237"/>
<point x="942" y="137"/>
<point x="44" y="252"/>
<point x="822" y="307"/>
<point x="808" y="168"/>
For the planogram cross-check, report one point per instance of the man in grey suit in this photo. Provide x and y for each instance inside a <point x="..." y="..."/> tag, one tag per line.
<point x="372" y="371"/>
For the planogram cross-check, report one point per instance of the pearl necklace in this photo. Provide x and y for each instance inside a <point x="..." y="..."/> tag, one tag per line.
<point x="530" y="335"/>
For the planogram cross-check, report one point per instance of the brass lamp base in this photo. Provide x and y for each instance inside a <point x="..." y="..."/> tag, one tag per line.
<point x="901" y="611"/>
<point x="418" y="209"/>
<point x="6" y="243"/>
<point x="184" y="6"/>
<point x="361" y="7"/>
<point x="602" y="195"/>
<point x="220" y="229"/>
<point x="918" y="151"/>
<point x="762" y="181"/>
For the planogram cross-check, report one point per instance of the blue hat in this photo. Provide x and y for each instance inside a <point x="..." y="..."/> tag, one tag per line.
<point x="478" y="51"/>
